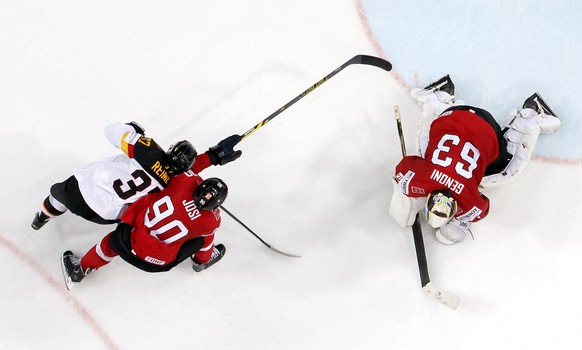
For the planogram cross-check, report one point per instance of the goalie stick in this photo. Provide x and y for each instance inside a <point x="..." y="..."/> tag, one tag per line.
<point x="429" y="289"/>
<point x="358" y="59"/>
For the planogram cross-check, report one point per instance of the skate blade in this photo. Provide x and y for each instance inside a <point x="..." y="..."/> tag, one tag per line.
<point x="68" y="282"/>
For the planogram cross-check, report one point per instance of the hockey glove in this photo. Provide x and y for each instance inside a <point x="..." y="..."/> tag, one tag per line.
<point x="224" y="152"/>
<point x="217" y="254"/>
<point x="138" y="128"/>
<point x="453" y="232"/>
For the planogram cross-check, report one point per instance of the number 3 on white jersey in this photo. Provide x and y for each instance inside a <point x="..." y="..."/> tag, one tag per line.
<point x="470" y="154"/>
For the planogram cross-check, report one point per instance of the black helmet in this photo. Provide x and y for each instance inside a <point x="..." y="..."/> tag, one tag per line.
<point x="180" y="157"/>
<point x="210" y="194"/>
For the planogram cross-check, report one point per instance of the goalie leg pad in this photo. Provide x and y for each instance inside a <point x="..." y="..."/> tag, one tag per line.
<point x="522" y="130"/>
<point x="522" y="134"/>
<point x="548" y="123"/>
<point x="432" y="103"/>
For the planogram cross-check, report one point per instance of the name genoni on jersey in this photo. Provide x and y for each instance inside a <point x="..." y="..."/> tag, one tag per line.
<point x="447" y="181"/>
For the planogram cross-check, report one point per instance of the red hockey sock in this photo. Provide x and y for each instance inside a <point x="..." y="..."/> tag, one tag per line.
<point x="101" y="254"/>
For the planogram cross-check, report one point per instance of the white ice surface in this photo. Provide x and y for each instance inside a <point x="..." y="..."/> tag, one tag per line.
<point x="315" y="181"/>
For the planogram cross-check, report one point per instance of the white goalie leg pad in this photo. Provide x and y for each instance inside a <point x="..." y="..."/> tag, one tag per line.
<point x="433" y="103"/>
<point x="521" y="137"/>
<point x="403" y="209"/>
<point x="523" y="130"/>
<point x="427" y="116"/>
<point x="548" y="123"/>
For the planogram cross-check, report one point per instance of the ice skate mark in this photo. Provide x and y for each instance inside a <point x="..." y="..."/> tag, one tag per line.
<point x="59" y="288"/>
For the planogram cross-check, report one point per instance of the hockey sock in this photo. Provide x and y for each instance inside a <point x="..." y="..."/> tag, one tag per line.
<point x="101" y="254"/>
<point x="53" y="207"/>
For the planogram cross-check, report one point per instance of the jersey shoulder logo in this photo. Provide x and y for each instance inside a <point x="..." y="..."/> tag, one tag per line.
<point x="146" y="141"/>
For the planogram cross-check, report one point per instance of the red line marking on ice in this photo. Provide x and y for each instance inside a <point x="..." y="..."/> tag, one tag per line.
<point x="60" y="289"/>
<point x="375" y="44"/>
<point x="556" y="160"/>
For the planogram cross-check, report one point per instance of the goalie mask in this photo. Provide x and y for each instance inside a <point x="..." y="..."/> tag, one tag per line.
<point x="210" y="194"/>
<point x="440" y="208"/>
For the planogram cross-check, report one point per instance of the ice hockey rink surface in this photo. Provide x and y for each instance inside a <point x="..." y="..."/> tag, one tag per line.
<point x="315" y="181"/>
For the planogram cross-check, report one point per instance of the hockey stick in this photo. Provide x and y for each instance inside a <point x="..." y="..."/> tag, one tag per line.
<point x="254" y="234"/>
<point x="358" y="59"/>
<point x="428" y="288"/>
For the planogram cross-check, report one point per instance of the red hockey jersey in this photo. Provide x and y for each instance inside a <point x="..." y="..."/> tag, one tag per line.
<point x="163" y="221"/>
<point x="461" y="146"/>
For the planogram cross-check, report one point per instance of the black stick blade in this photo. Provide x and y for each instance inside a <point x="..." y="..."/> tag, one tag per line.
<point x="375" y="61"/>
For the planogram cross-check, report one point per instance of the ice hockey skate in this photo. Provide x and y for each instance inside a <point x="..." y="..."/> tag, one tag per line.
<point x="546" y="118"/>
<point x="443" y="84"/>
<point x="217" y="254"/>
<point x="72" y="270"/>
<point x="537" y="103"/>
<point x="443" y="90"/>
<point x="40" y="219"/>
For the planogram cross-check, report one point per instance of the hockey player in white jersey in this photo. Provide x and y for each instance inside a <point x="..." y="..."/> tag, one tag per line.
<point x="101" y="191"/>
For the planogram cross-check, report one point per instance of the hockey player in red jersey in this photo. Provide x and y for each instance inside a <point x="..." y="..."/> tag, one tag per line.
<point x="101" y="191"/>
<point x="161" y="230"/>
<point x="462" y="150"/>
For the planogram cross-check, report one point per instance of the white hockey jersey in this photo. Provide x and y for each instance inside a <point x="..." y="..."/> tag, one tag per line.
<point x="111" y="184"/>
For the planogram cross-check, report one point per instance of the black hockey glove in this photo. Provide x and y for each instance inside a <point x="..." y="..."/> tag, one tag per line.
<point x="224" y="152"/>
<point x="138" y="128"/>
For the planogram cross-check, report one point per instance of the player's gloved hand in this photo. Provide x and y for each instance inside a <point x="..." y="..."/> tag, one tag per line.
<point x="224" y="152"/>
<point x="453" y="232"/>
<point x="138" y="128"/>
<point x="217" y="254"/>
